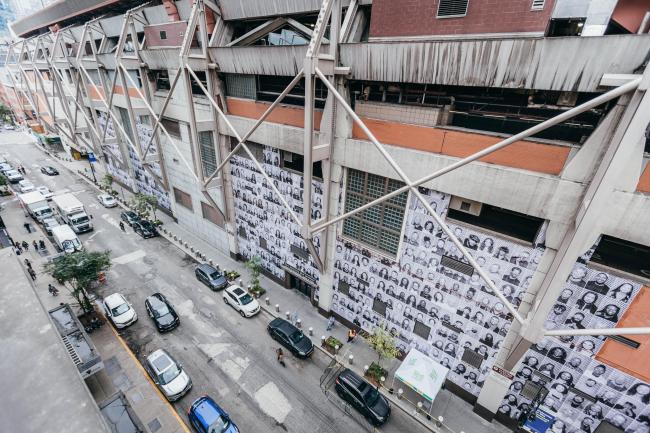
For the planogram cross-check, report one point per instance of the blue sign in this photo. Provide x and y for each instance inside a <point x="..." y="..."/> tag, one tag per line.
<point x="91" y="157"/>
<point x="542" y="422"/>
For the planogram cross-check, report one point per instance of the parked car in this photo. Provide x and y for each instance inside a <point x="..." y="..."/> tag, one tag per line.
<point x="363" y="396"/>
<point x="107" y="200"/>
<point x="48" y="224"/>
<point x="241" y="301"/>
<point x="119" y="310"/>
<point x="9" y="127"/>
<point x="206" y="416"/>
<point x="161" y="312"/>
<point x="290" y="337"/>
<point x="26" y="186"/>
<point x="13" y="176"/>
<point x="5" y="166"/>
<point x="129" y="217"/>
<point x="211" y="277"/>
<point x="49" y="170"/>
<point x="143" y="229"/>
<point x="149" y="226"/>
<point x="168" y="375"/>
<point x="45" y="191"/>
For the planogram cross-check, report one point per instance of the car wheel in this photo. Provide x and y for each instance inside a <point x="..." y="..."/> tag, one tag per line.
<point x="241" y="313"/>
<point x="225" y="300"/>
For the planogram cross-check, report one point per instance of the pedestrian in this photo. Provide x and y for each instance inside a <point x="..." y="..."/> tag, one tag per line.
<point x="35" y="245"/>
<point x="280" y="354"/>
<point x="122" y="227"/>
<point x="351" y="335"/>
<point x="25" y="246"/>
<point x="28" y="263"/>
<point x="27" y="227"/>
<point x="330" y="322"/>
<point x="17" y="251"/>
<point x="32" y="273"/>
<point x="18" y="247"/>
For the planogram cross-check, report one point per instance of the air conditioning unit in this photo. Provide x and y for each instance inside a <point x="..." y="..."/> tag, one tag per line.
<point x="464" y="205"/>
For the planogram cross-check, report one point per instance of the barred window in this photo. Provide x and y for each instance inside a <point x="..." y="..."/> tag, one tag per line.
<point x="208" y="153"/>
<point x="379" y="226"/>
<point x="183" y="198"/>
<point x="211" y="214"/>
<point x="126" y="123"/>
<point x="172" y="126"/>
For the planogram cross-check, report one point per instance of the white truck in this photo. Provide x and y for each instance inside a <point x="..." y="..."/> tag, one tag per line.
<point x="35" y="204"/>
<point x="66" y="239"/>
<point x="73" y="212"/>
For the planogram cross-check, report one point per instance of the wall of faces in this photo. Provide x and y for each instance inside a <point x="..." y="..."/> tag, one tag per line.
<point x="429" y="297"/>
<point x="264" y="227"/>
<point x="582" y="390"/>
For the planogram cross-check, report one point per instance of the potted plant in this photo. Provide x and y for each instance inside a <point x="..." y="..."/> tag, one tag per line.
<point x="254" y="265"/>
<point x="375" y="372"/>
<point x="330" y="344"/>
<point x="231" y="275"/>
<point x="383" y="343"/>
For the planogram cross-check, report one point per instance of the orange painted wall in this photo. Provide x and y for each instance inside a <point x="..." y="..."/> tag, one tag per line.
<point x="119" y="90"/>
<point x="527" y="155"/>
<point x="282" y="114"/>
<point x="629" y="13"/>
<point x="625" y="358"/>
<point x="644" y="180"/>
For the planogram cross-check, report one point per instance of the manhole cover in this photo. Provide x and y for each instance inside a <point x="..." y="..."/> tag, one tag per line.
<point x="154" y="425"/>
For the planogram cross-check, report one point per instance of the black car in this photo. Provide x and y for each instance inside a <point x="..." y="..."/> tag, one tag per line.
<point x="211" y="277"/>
<point x="49" y="170"/>
<point x="291" y="337"/>
<point x="144" y="229"/>
<point x="161" y="312"/>
<point x="364" y="397"/>
<point x="129" y="217"/>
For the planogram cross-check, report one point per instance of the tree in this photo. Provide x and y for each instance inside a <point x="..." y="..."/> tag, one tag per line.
<point x="383" y="343"/>
<point x="254" y="265"/>
<point x="5" y="112"/>
<point x="107" y="181"/>
<point x="144" y="205"/>
<point x="79" y="270"/>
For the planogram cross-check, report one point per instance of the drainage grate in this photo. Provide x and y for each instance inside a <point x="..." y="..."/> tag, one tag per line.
<point x="70" y="348"/>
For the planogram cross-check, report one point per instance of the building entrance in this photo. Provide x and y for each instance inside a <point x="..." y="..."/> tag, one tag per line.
<point x="300" y="285"/>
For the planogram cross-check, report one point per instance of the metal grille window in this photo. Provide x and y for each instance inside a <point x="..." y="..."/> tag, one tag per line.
<point x="213" y="215"/>
<point x="126" y="122"/>
<point x="537" y="5"/>
<point x="452" y="8"/>
<point x="381" y="225"/>
<point x="241" y="86"/>
<point x="208" y="153"/>
<point x="183" y="198"/>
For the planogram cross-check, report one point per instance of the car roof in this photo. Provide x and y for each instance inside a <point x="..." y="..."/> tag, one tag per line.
<point x="282" y="324"/>
<point x="236" y="290"/>
<point x="160" y="360"/>
<point x="155" y="300"/>
<point x="352" y="378"/>
<point x="114" y="300"/>
<point x="206" y="410"/>
<point x="206" y="268"/>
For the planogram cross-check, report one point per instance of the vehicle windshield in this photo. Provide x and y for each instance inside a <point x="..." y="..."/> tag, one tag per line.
<point x="296" y="337"/>
<point x="246" y="299"/>
<point x="160" y="310"/>
<point x="215" y="275"/>
<point x="44" y="211"/>
<point x="370" y="394"/>
<point x="220" y="425"/>
<point x="80" y="220"/>
<point x="170" y="374"/>
<point x="120" y="309"/>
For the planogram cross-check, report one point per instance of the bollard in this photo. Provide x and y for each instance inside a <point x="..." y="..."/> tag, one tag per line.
<point x="298" y="324"/>
<point x="311" y="331"/>
<point x="175" y="238"/>
<point x="365" y="369"/>
<point x="288" y="314"/>
<point x="336" y="349"/>
<point x="186" y="244"/>
<point x="322" y="340"/>
<point x="277" y="307"/>
<point x="211" y="262"/>
<point x="400" y="393"/>
<point x="351" y="359"/>
<point x="240" y="282"/>
<point x="191" y="248"/>
<point x="268" y="301"/>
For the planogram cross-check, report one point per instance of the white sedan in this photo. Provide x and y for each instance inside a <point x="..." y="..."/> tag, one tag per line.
<point x="45" y="191"/>
<point x="241" y="301"/>
<point x="107" y="200"/>
<point x="119" y="310"/>
<point x="26" y="186"/>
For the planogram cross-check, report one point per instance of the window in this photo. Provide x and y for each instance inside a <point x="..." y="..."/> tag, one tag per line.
<point x="381" y="225"/>
<point x="270" y="87"/>
<point x="183" y="198"/>
<point x="566" y="27"/>
<point x="208" y="153"/>
<point x="173" y="127"/>
<point x="162" y="80"/>
<point x="296" y="162"/>
<point x="241" y="86"/>
<point x="196" y="89"/>
<point x="379" y="307"/>
<point x="213" y="215"/>
<point x="507" y="222"/>
<point x="623" y="255"/>
<point x="537" y="5"/>
<point x="452" y="8"/>
<point x="126" y="122"/>
<point x="163" y="35"/>
<point x="421" y="330"/>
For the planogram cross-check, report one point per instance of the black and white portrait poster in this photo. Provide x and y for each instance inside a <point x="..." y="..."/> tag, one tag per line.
<point x="264" y="226"/>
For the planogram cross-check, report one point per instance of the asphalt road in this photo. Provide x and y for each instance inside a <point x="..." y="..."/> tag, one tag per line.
<point x="228" y="357"/>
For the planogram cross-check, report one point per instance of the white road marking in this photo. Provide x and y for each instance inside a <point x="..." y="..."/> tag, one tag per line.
<point x="130" y="257"/>
<point x="273" y="402"/>
<point x="109" y="219"/>
<point x="93" y="235"/>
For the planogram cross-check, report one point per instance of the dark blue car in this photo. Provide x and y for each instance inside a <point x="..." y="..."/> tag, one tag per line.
<point x="207" y="417"/>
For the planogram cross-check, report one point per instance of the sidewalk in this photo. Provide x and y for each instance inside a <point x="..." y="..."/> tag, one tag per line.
<point x="458" y="415"/>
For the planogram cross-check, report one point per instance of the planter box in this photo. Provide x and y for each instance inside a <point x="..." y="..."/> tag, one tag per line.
<point x="330" y="346"/>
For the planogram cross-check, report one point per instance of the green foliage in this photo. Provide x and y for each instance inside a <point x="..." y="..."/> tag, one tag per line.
<point x="383" y="343"/>
<point x="79" y="270"/>
<point x="376" y="371"/>
<point x="333" y="342"/>
<point x="254" y="266"/>
<point x="144" y="205"/>
<point x="107" y="181"/>
<point x="3" y="180"/>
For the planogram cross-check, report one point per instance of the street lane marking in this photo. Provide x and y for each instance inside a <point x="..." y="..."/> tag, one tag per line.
<point x="272" y="402"/>
<point x="129" y="257"/>
<point x="109" y="219"/>
<point x="90" y="238"/>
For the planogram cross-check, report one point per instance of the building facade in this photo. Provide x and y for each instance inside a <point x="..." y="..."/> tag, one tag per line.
<point x="530" y="245"/>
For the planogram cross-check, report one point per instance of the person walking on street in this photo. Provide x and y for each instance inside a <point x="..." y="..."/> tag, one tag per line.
<point x="280" y="354"/>
<point x="28" y="263"/>
<point x="330" y="322"/>
<point x="35" y="245"/>
<point x="351" y="335"/>
<point x="27" y="227"/>
<point x="32" y="273"/>
<point x="18" y="247"/>
<point x="122" y="227"/>
<point x="25" y="246"/>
